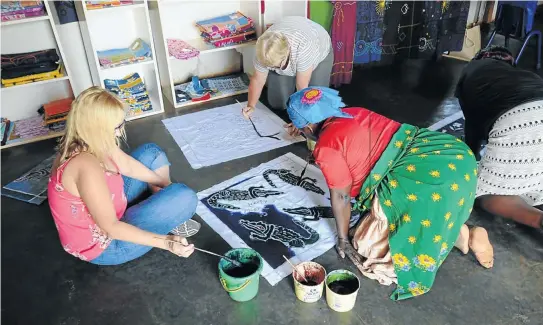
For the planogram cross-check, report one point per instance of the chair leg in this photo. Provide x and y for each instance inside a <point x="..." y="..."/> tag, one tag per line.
<point x="491" y="37"/>
<point x="497" y="23"/>
<point x="536" y="33"/>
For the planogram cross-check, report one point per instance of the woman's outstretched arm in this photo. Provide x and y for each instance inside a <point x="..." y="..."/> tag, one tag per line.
<point x="341" y="207"/>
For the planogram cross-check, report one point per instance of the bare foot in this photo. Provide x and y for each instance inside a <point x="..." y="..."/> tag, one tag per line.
<point x="462" y="243"/>
<point x="481" y="247"/>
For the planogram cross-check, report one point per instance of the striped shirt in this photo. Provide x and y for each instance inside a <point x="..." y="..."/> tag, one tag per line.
<point x="309" y="45"/>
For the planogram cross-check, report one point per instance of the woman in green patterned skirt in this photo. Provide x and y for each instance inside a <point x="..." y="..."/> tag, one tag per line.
<point x="415" y="186"/>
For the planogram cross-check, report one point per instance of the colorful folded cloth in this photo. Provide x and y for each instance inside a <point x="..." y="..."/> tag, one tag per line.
<point x="131" y="90"/>
<point x="236" y="39"/>
<point x="27" y="128"/>
<point x="56" y="111"/>
<point x="57" y="126"/>
<point x="138" y="51"/>
<point x="6" y="130"/>
<point x="227" y="30"/>
<point x="199" y="90"/>
<point x="91" y="5"/>
<point x="181" y="50"/>
<point x="14" y="10"/>
<point x="39" y="73"/>
<point x="29" y="58"/>
<point x="225" y="26"/>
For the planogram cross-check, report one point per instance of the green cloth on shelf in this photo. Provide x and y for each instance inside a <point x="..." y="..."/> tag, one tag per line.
<point x="322" y="13"/>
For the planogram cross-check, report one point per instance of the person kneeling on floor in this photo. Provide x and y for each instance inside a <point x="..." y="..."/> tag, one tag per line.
<point x="415" y="186"/>
<point x="93" y="181"/>
<point x="503" y="107"/>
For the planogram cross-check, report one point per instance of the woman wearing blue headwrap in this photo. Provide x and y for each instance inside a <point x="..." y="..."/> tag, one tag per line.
<point x="416" y="186"/>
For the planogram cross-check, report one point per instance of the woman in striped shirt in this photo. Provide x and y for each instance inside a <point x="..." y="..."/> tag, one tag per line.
<point x="298" y="52"/>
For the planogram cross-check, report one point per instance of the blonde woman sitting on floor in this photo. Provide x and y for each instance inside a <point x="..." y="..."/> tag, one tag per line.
<point x="93" y="180"/>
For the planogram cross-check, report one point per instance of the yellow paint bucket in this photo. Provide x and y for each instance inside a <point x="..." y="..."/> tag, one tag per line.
<point x="341" y="290"/>
<point x="315" y="274"/>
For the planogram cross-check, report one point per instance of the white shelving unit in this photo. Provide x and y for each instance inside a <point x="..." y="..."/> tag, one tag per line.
<point x="175" y="19"/>
<point x="118" y="27"/>
<point x="23" y="101"/>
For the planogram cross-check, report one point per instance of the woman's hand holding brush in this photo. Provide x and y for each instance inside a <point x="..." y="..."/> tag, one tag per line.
<point x="178" y="245"/>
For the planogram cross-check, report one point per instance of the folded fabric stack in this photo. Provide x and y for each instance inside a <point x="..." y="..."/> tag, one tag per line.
<point x="181" y="50"/>
<point x="131" y="90"/>
<point x="91" y="5"/>
<point x="24" y="68"/>
<point x="200" y="90"/>
<point x="52" y="118"/>
<point x="138" y="51"/>
<point x="55" y="113"/>
<point x="24" y="129"/>
<point x="227" y="30"/>
<point x="15" y="10"/>
<point x="6" y="130"/>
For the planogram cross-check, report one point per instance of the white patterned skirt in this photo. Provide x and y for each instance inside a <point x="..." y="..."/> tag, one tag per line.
<point x="513" y="161"/>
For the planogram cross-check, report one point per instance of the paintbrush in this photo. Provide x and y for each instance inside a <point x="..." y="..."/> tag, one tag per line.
<point x="271" y="136"/>
<point x="236" y="263"/>
<point x="294" y="269"/>
<point x="302" y="174"/>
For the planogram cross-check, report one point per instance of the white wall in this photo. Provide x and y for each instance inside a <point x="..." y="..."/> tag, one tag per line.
<point x="74" y="53"/>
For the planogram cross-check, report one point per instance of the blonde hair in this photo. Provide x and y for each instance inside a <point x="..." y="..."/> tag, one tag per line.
<point x="91" y="124"/>
<point x="272" y="49"/>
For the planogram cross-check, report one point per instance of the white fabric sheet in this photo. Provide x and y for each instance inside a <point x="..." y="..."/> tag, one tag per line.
<point x="268" y="216"/>
<point x="221" y="134"/>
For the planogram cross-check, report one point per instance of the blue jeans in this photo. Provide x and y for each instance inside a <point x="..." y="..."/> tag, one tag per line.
<point x="159" y="213"/>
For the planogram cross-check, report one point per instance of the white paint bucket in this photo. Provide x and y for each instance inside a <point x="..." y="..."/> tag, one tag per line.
<point x="341" y="300"/>
<point x="313" y="272"/>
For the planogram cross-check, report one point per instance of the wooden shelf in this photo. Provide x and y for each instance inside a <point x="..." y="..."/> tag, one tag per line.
<point x="25" y="20"/>
<point x="51" y="135"/>
<point x="185" y="104"/>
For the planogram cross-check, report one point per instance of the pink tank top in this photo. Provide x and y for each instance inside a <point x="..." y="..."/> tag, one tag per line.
<point x="79" y="234"/>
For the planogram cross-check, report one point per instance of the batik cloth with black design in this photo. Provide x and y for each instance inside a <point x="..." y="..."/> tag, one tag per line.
<point x="513" y="161"/>
<point x="387" y="30"/>
<point x="425" y="183"/>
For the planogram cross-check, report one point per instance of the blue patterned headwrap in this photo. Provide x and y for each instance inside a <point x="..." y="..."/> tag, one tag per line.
<point x="314" y="105"/>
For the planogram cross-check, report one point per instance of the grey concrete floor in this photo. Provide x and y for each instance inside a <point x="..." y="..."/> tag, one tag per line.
<point x="41" y="284"/>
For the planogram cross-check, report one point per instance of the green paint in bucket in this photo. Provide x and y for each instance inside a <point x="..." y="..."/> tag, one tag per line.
<point x="241" y="283"/>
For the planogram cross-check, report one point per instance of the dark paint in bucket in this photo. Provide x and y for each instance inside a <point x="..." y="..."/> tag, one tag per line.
<point x="249" y="264"/>
<point x="344" y="286"/>
<point x="314" y="275"/>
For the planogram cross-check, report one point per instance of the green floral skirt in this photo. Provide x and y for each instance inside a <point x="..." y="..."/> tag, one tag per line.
<point x="425" y="182"/>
